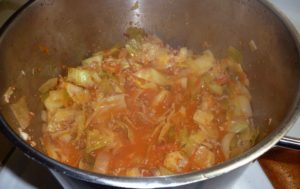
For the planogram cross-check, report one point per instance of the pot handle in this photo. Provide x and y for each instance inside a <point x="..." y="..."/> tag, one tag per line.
<point x="289" y="142"/>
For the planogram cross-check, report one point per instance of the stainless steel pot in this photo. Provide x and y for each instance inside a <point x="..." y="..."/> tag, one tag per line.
<point x="71" y="30"/>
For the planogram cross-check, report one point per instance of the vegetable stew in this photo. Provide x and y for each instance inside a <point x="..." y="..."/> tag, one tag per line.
<point x="146" y="109"/>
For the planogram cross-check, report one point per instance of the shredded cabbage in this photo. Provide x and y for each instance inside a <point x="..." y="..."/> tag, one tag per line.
<point x="93" y="61"/>
<point x="57" y="99"/>
<point x="146" y="109"/>
<point x="78" y="94"/>
<point x="48" y="85"/>
<point x="152" y="75"/>
<point x="203" y="63"/>
<point x="202" y="117"/>
<point x="193" y="141"/>
<point x="237" y="127"/>
<point x="235" y="55"/>
<point x="98" y="139"/>
<point x="175" y="161"/>
<point x="82" y="77"/>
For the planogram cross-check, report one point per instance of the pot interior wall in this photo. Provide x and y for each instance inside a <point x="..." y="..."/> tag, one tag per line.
<point x="52" y="35"/>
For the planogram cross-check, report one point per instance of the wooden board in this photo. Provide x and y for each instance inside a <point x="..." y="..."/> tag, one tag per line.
<point x="282" y="166"/>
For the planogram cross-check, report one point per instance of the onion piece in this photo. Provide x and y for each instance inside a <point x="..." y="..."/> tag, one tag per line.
<point x="21" y="112"/>
<point x="101" y="162"/>
<point x="226" y="142"/>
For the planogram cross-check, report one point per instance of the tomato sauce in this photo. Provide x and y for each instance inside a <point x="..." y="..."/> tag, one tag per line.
<point x="146" y="109"/>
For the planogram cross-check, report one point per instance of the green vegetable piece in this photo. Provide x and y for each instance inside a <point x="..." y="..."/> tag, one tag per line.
<point x="86" y="162"/>
<point x="194" y="140"/>
<point x="135" y="6"/>
<point x="94" y="60"/>
<point x="152" y="75"/>
<point x="82" y="77"/>
<point x="203" y="63"/>
<point x="57" y="99"/>
<point x="135" y="33"/>
<point x="241" y="106"/>
<point x="203" y="117"/>
<point x="183" y="136"/>
<point x="171" y="161"/>
<point x="97" y="139"/>
<point x="238" y="127"/>
<point x="80" y="122"/>
<point x="133" y="47"/>
<point x="165" y="171"/>
<point x="235" y="55"/>
<point x="48" y="85"/>
<point x="216" y="89"/>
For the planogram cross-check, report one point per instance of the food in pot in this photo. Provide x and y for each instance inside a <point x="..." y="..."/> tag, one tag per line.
<point x="146" y="109"/>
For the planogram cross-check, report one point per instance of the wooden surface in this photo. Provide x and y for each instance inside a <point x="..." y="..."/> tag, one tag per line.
<point x="282" y="166"/>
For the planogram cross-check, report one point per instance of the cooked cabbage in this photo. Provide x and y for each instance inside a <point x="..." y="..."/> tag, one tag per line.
<point x="82" y="77"/>
<point x="145" y="109"/>
<point x="152" y="75"/>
